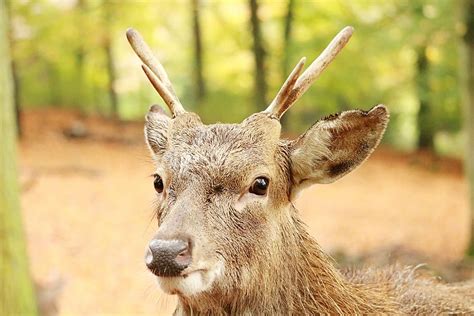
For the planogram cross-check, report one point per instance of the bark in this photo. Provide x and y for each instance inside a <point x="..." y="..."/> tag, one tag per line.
<point x="14" y="69"/>
<point x="16" y="290"/>
<point x="424" y="118"/>
<point x="286" y="49"/>
<point x="259" y="56"/>
<point x="468" y="94"/>
<point x="287" y="38"/>
<point x="80" y="55"/>
<point x="198" y="54"/>
<point x="112" y="75"/>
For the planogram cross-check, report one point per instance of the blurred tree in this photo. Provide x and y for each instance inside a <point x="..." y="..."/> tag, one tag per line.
<point x="289" y="16"/>
<point x="80" y="53"/>
<point x="285" y="69"/>
<point x="198" y="68"/>
<point x="14" y="71"/>
<point x="16" y="290"/>
<point x="259" y="57"/>
<point x="436" y="63"/>
<point x="424" y="117"/>
<point x="109" y="55"/>
<point x="468" y="86"/>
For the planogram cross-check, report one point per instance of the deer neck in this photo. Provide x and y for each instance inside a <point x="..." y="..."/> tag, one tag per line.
<point x="317" y="286"/>
<point x="299" y="279"/>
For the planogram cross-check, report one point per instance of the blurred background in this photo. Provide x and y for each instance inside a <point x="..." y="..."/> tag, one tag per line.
<point x="72" y="151"/>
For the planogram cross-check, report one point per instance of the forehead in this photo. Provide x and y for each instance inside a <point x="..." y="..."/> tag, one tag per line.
<point x="220" y="148"/>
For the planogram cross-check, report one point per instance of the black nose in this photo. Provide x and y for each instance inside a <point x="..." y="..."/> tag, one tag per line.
<point x="167" y="258"/>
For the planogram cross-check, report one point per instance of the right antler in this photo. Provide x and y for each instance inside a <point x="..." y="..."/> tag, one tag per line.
<point x="155" y="72"/>
<point x="296" y="85"/>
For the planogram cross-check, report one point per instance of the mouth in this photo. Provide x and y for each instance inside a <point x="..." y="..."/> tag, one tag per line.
<point x="189" y="283"/>
<point x="182" y="275"/>
<point x="186" y="284"/>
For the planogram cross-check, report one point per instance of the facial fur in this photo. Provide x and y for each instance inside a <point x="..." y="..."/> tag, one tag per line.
<point x="207" y="172"/>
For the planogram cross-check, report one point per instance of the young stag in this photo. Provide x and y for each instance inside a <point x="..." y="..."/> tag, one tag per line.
<point x="230" y="240"/>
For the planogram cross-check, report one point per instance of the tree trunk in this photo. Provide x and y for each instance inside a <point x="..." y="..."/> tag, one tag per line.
<point x="287" y="38"/>
<point x="468" y="96"/>
<point x="16" y="290"/>
<point x="259" y="56"/>
<point x="285" y="69"/>
<point x="110" y="60"/>
<point x="198" y="68"/>
<point x="424" y="118"/>
<point x="14" y="69"/>
<point x="80" y="56"/>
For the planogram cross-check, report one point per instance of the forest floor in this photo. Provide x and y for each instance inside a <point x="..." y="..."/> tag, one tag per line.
<point x="88" y="204"/>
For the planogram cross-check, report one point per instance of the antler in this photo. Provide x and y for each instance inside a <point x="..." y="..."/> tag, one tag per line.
<point x="155" y="72"/>
<point x="296" y="85"/>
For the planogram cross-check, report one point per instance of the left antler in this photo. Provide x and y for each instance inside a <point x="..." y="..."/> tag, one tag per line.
<point x="155" y="72"/>
<point x="296" y="85"/>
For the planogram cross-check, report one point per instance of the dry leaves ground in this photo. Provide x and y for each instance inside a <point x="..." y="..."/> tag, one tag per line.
<point x="88" y="203"/>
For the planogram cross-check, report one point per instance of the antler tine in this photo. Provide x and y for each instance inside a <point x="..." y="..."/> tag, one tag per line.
<point x="304" y="81"/>
<point x="162" y="90"/>
<point x="155" y="72"/>
<point x="286" y="88"/>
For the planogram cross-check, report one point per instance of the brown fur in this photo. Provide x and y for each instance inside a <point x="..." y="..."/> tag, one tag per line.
<point x="270" y="263"/>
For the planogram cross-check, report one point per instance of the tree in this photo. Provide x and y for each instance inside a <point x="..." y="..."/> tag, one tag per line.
<point x="109" y="55"/>
<point x="287" y="37"/>
<point x="198" y="69"/>
<point x="468" y="87"/>
<point x="14" y="68"/>
<point x="259" y="56"/>
<point x="80" y="53"/>
<point x="16" y="291"/>
<point x="288" y="26"/>
<point x="425" y="117"/>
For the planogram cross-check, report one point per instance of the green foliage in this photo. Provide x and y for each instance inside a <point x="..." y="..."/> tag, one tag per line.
<point x="59" y="49"/>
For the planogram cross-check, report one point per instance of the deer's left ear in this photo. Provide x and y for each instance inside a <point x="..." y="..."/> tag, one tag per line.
<point x="156" y="130"/>
<point x="336" y="145"/>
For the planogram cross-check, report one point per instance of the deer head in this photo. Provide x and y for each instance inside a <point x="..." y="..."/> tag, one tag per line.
<point x="225" y="191"/>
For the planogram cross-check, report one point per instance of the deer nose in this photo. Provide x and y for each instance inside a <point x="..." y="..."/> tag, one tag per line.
<point x="168" y="258"/>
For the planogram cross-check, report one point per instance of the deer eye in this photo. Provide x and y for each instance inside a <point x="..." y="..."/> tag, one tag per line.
<point x="158" y="183"/>
<point x="259" y="186"/>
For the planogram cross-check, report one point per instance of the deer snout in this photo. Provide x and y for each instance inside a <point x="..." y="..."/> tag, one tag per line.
<point x="168" y="258"/>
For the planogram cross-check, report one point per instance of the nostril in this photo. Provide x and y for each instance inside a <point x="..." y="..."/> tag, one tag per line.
<point x="168" y="257"/>
<point x="184" y="257"/>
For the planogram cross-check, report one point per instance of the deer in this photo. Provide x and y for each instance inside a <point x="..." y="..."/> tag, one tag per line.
<point x="230" y="240"/>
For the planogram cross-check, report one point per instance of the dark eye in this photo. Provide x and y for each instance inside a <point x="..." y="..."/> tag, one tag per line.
<point x="259" y="186"/>
<point x="158" y="183"/>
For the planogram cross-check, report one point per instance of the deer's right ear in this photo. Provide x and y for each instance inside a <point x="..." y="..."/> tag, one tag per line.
<point x="156" y="130"/>
<point x="336" y="145"/>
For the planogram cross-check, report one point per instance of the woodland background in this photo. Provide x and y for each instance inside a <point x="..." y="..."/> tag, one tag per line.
<point x="70" y="82"/>
<point x="72" y="54"/>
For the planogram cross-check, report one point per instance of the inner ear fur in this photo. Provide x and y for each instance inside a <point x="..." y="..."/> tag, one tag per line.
<point x="336" y="145"/>
<point x="156" y="130"/>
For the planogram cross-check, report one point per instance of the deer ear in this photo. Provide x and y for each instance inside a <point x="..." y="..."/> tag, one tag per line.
<point x="156" y="130"/>
<point x="336" y="145"/>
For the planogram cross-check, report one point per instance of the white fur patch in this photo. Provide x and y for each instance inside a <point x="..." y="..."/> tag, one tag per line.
<point x="194" y="283"/>
<point x="187" y="286"/>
